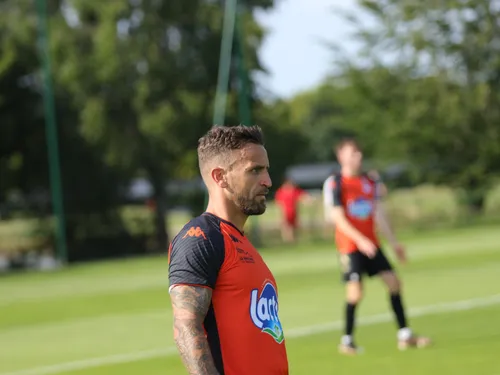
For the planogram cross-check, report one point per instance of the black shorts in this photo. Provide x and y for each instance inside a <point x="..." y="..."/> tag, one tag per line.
<point x="354" y="265"/>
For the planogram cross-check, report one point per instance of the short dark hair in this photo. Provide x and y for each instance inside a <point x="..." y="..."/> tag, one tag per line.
<point x="347" y="142"/>
<point x="222" y="139"/>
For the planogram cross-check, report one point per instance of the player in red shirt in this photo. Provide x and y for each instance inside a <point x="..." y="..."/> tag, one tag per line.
<point x="288" y="196"/>
<point x="224" y="297"/>
<point x="356" y="212"/>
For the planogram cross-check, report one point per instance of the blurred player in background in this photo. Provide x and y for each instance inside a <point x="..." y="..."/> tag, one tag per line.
<point x="224" y="297"/>
<point x="356" y="211"/>
<point x="329" y="222"/>
<point x="288" y="197"/>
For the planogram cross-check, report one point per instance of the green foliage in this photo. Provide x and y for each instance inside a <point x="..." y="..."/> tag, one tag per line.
<point x="285" y="144"/>
<point x="425" y="206"/>
<point x="321" y="118"/>
<point x="424" y="90"/>
<point x="134" y="84"/>
<point x="440" y="88"/>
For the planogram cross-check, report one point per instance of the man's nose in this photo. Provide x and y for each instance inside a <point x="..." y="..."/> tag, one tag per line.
<point x="266" y="181"/>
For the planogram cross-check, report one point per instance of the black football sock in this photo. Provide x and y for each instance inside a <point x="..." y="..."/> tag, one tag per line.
<point x="350" y="311"/>
<point x="399" y="311"/>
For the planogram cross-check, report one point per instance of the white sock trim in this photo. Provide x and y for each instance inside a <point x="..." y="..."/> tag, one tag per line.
<point x="346" y="340"/>
<point x="405" y="333"/>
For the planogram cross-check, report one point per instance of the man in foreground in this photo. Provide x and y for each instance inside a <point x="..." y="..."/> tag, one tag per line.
<point x="224" y="297"/>
<point x="355" y="210"/>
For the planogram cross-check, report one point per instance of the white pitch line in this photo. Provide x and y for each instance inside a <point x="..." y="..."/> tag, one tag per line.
<point x="95" y="362"/>
<point x="416" y="312"/>
<point x="441" y="308"/>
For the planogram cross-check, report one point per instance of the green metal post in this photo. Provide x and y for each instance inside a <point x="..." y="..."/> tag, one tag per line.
<point x="244" y="86"/>
<point x="51" y="132"/>
<point x="244" y="100"/>
<point x="219" y="114"/>
<point x="225" y="62"/>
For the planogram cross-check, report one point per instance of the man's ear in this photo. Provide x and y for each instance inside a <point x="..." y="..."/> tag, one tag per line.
<point x="219" y="177"/>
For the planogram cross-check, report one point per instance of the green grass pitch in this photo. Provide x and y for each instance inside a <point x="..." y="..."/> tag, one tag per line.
<point x="114" y="318"/>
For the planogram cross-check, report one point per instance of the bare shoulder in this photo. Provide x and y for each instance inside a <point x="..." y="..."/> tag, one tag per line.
<point x="190" y="300"/>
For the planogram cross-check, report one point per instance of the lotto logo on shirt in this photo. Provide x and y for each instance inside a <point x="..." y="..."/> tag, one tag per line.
<point x="360" y="208"/>
<point x="264" y="312"/>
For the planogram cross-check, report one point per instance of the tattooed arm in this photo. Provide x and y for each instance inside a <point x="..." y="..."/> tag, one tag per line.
<point x="196" y="256"/>
<point x="190" y="305"/>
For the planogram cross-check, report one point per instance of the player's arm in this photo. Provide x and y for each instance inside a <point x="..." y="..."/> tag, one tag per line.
<point x="194" y="264"/>
<point x="190" y="305"/>
<point x="381" y="187"/>
<point x="384" y="224"/>
<point x="344" y="225"/>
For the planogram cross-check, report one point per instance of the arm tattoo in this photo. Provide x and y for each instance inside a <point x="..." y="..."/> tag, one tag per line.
<point x="190" y="305"/>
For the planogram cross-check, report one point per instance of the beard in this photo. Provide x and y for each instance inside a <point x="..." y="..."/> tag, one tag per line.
<point x="248" y="205"/>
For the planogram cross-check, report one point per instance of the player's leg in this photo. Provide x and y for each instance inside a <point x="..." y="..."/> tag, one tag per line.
<point x="294" y="225"/>
<point x="393" y="285"/>
<point x="381" y="266"/>
<point x="288" y="228"/>
<point x="406" y="337"/>
<point x="354" y="294"/>
<point x="353" y="268"/>
<point x="286" y="231"/>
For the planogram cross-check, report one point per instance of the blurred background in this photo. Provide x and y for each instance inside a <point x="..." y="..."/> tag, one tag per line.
<point x="101" y="106"/>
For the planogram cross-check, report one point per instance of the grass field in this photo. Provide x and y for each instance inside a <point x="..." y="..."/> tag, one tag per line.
<point x="114" y="318"/>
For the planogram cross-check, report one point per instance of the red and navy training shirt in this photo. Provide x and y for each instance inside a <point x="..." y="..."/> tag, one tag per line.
<point x="242" y="324"/>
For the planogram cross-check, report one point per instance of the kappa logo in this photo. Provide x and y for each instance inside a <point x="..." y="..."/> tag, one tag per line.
<point x="234" y="238"/>
<point x="195" y="232"/>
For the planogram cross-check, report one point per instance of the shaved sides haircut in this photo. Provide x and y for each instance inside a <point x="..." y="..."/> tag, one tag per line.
<point x="221" y="140"/>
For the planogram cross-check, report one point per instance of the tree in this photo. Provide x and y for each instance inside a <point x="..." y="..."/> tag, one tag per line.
<point x="285" y="144"/>
<point x="22" y="147"/>
<point x="143" y="76"/>
<point x="134" y="84"/>
<point x="439" y="84"/>
<point x="91" y="188"/>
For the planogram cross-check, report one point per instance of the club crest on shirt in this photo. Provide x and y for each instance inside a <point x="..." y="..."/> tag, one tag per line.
<point x="264" y="312"/>
<point x="366" y="186"/>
